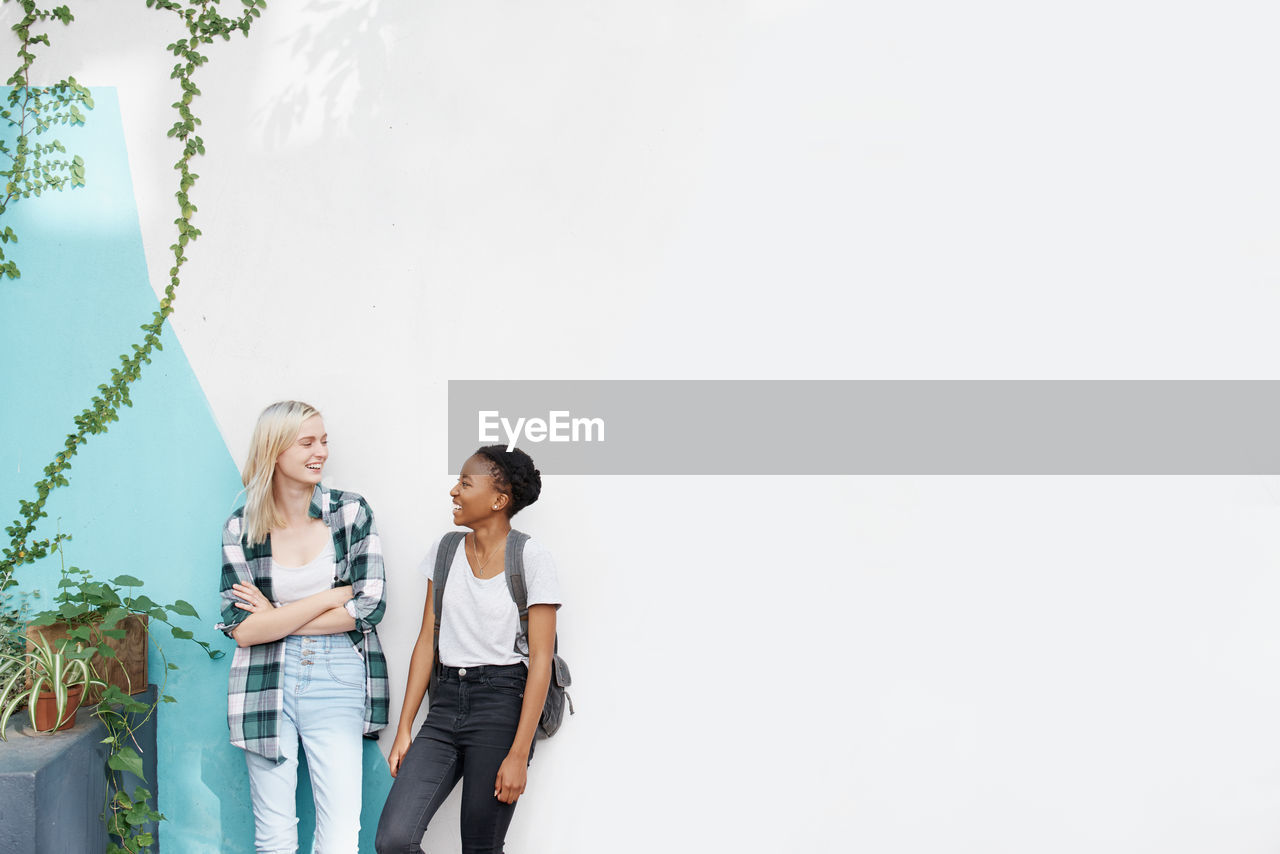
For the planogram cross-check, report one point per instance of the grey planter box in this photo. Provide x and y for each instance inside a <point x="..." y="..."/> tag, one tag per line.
<point x="53" y="788"/>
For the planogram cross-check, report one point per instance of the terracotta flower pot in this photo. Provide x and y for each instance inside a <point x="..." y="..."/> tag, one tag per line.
<point x="46" y="712"/>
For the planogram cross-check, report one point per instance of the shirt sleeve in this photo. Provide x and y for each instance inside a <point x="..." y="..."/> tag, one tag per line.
<point x="367" y="573"/>
<point x="541" y="582"/>
<point x="235" y="570"/>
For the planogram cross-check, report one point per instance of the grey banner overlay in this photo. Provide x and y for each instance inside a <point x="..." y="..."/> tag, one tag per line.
<point x="768" y="427"/>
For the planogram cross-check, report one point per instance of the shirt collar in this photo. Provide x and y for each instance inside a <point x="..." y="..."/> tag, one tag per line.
<point x="319" y="503"/>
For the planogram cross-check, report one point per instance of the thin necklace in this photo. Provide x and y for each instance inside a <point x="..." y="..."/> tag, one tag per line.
<point x="475" y="551"/>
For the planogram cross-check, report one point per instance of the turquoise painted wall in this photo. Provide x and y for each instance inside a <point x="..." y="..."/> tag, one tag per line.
<point x="149" y="497"/>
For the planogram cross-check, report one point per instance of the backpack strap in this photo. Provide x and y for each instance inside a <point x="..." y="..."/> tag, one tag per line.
<point x="514" y="566"/>
<point x="444" y="560"/>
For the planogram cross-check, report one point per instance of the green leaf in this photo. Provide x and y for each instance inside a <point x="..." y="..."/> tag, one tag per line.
<point x="184" y="608"/>
<point x="126" y="581"/>
<point x="114" y="696"/>
<point x="112" y="618"/>
<point x="127" y="759"/>
<point x="141" y="603"/>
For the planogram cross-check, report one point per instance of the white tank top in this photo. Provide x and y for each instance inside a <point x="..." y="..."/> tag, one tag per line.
<point x="291" y="583"/>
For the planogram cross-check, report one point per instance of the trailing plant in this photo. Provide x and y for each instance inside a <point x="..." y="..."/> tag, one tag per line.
<point x="34" y="168"/>
<point x="129" y="814"/>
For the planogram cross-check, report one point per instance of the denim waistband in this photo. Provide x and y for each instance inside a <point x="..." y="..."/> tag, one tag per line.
<point x="339" y="643"/>
<point x="461" y="674"/>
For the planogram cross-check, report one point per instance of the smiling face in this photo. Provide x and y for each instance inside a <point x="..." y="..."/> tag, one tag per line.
<point x="303" y="461"/>
<point x="476" y="496"/>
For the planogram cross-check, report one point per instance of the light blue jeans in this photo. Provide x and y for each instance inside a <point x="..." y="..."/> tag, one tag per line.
<point x="323" y="687"/>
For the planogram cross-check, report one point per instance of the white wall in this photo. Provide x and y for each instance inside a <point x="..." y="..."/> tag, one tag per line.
<point x="396" y="195"/>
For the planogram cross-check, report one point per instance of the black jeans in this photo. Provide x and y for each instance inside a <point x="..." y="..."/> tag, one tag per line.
<point x="471" y="722"/>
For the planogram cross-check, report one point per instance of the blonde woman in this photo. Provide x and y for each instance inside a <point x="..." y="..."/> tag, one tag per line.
<point x="302" y="590"/>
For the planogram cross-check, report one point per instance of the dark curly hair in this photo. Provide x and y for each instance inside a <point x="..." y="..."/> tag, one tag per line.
<point x="514" y="474"/>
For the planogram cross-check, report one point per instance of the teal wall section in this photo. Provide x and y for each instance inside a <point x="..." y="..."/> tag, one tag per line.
<point x="147" y="498"/>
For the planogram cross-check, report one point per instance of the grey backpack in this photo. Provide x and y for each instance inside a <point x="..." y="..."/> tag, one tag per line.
<point x="557" y="693"/>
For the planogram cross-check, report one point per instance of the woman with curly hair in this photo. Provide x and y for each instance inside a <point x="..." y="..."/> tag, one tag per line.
<point x="302" y="589"/>
<point x="489" y="680"/>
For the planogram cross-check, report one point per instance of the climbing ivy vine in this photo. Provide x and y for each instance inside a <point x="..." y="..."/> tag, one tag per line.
<point x="32" y="164"/>
<point x="32" y="167"/>
<point x="30" y="171"/>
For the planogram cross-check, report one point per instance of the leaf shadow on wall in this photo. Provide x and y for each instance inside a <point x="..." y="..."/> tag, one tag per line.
<point x="340" y="58"/>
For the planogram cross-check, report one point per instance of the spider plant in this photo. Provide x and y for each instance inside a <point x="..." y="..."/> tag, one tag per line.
<point x="51" y="669"/>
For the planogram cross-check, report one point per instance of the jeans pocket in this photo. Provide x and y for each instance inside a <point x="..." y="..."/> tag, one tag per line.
<point x="346" y="669"/>
<point x="512" y="686"/>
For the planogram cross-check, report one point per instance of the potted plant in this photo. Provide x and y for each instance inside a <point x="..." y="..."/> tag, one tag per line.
<point x="57" y="678"/>
<point x="113" y="622"/>
<point x="104" y="619"/>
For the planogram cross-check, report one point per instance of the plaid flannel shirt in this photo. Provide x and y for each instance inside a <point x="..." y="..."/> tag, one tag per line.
<point x="255" y="699"/>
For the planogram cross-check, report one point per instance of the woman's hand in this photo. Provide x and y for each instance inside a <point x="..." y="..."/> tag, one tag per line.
<point x="253" y="600"/>
<point x="511" y="779"/>
<point x="339" y="595"/>
<point x="398" y="750"/>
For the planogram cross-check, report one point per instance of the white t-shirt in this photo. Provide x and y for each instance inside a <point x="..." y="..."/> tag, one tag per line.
<point x="292" y="583"/>
<point x="479" y="621"/>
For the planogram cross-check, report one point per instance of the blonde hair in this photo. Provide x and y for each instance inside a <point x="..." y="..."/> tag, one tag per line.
<point x="277" y="428"/>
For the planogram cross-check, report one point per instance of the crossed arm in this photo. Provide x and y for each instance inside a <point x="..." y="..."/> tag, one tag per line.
<point x="358" y="606"/>
<point x="319" y="614"/>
